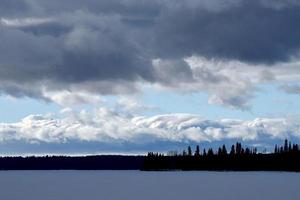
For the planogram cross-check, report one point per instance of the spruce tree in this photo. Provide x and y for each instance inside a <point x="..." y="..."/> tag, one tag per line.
<point x="197" y="152"/>
<point x="189" y="151"/>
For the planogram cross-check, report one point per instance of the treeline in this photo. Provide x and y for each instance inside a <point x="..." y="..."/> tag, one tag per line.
<point x="235" y="150"/>
<point x="100" y="162"/>
<point x="238" y="158"/>
<point x="235" y="158"/>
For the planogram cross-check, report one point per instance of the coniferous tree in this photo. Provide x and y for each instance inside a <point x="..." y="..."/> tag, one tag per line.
<point x="189" y="151"/>
<point x="220" y="153"/>
<point x="232" y="151"/>
<point x="197" y="152"/>
<point x="285" y="148"/>
<point x="276" y="149"/>
<point x="238" y="148"/>
<point x="296" y="148"/>
<point x="210" y="152"/>
<point x="204" y="152"/>
<point x="224" y="150"/>
<point x="281" y="150"/>
<point x="247" y="151"/>
<point x="242" y="151"/>
<point x="290" y="147"/>
<point x="254" y="150"/>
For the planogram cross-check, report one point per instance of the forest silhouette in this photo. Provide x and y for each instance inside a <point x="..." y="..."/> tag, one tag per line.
<point x="236" y="158"/>
<point x="284" y="158"/>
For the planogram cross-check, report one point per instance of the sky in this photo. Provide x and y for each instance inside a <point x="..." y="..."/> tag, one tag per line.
<point x="131" y="76"/>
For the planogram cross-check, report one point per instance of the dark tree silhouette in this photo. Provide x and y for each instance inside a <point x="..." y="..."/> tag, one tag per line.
<point x="276" y="149"/>
<point x="281" y="150"/>
<point x="247" y="151"/>
<point x="220" y="153"/>
<point x="285" y="148"/>
<point x="284" y="158"/>
<point x="204" y="152"/>
<point x="238" y="148"/>
<point x="210" y="152"/>
<point x="197" y="151"/>
<point x="224" y="150"/>
<point x="232" y="151"/>
<point x="189" y="151"/>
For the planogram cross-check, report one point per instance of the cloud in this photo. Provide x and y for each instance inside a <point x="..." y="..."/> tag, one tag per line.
<point x="67" y="98"/>
<point x="108" y="128"/>
<point x="114" y="47"/>
<point x="291" y="89"/>
<point x="18" y="23"/>
<point x="230" y="32"/>
<point x="131" y="106"/>
<point x="229" y="83"/>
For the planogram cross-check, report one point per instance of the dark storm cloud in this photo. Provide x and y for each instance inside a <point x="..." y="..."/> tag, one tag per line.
<point x="13" y="7"/>
<point x="109" y="46"/>
<point x="249" y="32"/>
<point x="89" y="50"/>
<point x="51" y="28"/>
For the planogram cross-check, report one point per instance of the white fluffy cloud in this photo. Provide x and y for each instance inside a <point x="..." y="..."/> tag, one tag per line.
<point x="106" y="126"/>
<point x="130" y="106"/>
<point x="68" y="98"/>
<point x="229" y="83"/>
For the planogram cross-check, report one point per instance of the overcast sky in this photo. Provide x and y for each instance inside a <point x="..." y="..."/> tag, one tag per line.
<point x="134" y="75"/>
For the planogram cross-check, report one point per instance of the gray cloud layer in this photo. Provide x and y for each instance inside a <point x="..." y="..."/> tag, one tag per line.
<point x="109" y="47"/>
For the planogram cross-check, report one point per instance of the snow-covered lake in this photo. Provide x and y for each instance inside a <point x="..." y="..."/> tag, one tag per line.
<point x="136" y="185"/>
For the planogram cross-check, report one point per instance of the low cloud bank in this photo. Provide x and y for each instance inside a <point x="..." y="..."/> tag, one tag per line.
<point x="117" y="132"/>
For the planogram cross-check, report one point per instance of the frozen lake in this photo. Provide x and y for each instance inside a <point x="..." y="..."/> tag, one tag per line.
<point x="136" y="185"/>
